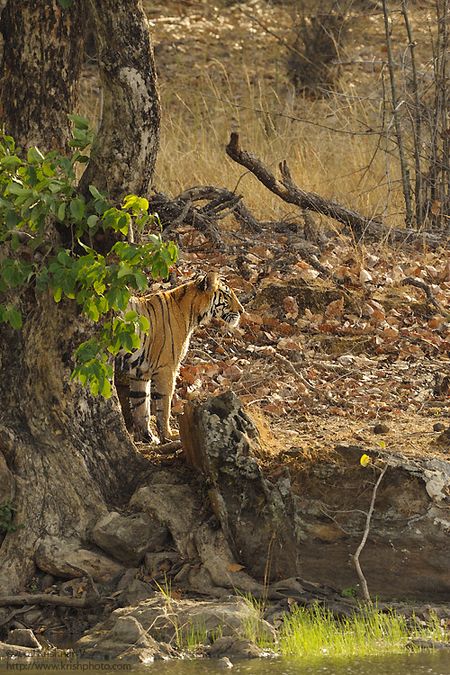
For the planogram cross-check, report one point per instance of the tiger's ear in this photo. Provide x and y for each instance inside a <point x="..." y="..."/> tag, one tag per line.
<point x="207" y="281"/>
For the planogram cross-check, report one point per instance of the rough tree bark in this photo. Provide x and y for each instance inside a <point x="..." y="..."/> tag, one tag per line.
<point x="42" y="58"/>
<point x="64" y="456"/>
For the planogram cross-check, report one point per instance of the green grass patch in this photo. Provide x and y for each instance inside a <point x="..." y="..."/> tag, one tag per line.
<point x="316" y="632"/>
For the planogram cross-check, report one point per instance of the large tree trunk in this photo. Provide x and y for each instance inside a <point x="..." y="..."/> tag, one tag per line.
<point x="68" y="456"/>
<point x="42" y="58"/>
<point x="126" y="146"/>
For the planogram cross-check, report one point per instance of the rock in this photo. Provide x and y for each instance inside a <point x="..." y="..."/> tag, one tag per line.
<point x="438" y="426"/>
<point x="24" y="637"/>
<point x="258" y="519"/>
<point x="167" y="620"/>
<point x="127" y="630"/>
<point x="195" y="540"/>
<point x="46" y="581"/>
<point x="421" y="643"/>
<point x="34" y="617"/>
<point x="381" y="429"/>
<point x="128" y="537"/>
<point x="236" y="648"/>
<point x="224" y="662"/>
<point x="406" y="554"/>
<point x="157" y="500"/>
<point x="136" y="592"/>
<point x="157" y="564"/>
<point x="67" y="559"/>
<point x="128" y="576"/>
<point x="8" y="651"/>
<point x="122" y="638"/>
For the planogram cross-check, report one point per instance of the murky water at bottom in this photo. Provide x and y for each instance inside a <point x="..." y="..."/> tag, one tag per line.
<point x="433" y="663"/>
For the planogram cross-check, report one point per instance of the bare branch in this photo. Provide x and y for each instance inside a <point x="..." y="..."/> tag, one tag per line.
<point x="412" y="281"/>
<point x="291" y="193"/>
<point x="359" y="571"/>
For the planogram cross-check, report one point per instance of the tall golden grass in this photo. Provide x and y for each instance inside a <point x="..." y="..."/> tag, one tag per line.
<point x="274" y="125"/>
<point x="351" y="168"/>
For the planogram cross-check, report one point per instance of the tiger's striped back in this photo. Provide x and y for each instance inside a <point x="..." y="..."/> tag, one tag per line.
<point x="173" y="315"/>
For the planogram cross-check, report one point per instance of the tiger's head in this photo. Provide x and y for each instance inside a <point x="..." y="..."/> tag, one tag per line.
<point x="223" y="303"/>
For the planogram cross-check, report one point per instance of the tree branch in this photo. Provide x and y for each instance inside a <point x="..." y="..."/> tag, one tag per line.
<point x="291" y="193"/>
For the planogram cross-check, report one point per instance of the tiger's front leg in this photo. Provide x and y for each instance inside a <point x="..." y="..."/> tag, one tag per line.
<point x="163" y="386"/>
<point x="139" y="397"/>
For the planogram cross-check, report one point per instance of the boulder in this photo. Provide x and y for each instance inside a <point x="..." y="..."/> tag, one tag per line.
<point x="67" y="559"/>
<point x="166" y="620"/>
<point x="8" y="651"/>
<point x="235" y="648"/>
<point x="258" y="518"/>
<point x="122" y="638"/>
<point x="24" y="637"/>
<point x="407" y="552"/>
<point x="128" y="537"/>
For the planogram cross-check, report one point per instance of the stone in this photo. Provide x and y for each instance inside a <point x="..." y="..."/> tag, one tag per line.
<point x="235" y="648"/>
<point x="165" y="620"/>
<point x="381" y="429"/>
<point x="8" y="651"/>
<point x="128" y="537"/>
<point x="127" y="630"/>
<point x="136" y="592"/>
<point x="257" y="518"/>
<point x="24" y="637"/>
<point x="68" y="560"/>
<point x="157" y="564"/>
<point x="122" y="637"/>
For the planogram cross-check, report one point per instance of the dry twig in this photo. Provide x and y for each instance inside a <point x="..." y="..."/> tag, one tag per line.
<point x="369" y="514"/>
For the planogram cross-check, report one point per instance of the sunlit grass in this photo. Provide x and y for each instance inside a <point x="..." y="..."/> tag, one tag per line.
<point x="316" y="632"/>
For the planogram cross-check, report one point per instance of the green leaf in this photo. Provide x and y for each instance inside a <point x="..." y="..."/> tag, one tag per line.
<point x="106" y="389"/>
<point x="144" y="323"/>
<point x="95" y="193"/>
<point x="141" y="280"/>
<point x="92" y="221"/>
<point x="62" y="212"/>
<point x="35" y="156"/>
<point x="77" y="208"/>
<point x="124" y="271"/>
<point x="78" y="121"/>
<point x="135" y="204"/>
<point x="14" y="317"/>
<point x="10" y="162"/>
<point x="65" y="4"/>
<point x="57" y="294"/>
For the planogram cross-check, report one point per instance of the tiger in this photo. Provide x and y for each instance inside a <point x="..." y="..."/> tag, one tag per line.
<point x="151" y="370"/>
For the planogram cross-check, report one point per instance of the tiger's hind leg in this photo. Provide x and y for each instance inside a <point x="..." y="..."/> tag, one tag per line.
<point x="139" y="397"/>
<point x="163" y="386"/>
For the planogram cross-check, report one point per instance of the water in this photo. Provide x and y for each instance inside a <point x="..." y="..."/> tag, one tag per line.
<point x="430" y="663"/>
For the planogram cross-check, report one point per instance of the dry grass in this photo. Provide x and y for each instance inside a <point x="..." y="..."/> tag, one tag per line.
<point x="220" y="71"/>
<point x="197" y="123"/>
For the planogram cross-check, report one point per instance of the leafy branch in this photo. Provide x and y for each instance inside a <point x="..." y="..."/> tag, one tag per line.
<point x="39" y="198"/>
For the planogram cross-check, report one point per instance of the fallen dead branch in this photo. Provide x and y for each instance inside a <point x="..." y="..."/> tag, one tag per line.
<point x="272" y="353"/>
<point x="22" y="599"/>
<point x="412" y="281"/>
<point x="291" y="193"/>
